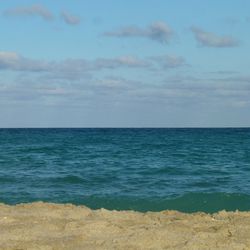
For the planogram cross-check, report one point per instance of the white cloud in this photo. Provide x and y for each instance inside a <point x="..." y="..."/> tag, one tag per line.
<point x="209" y="39"/>
<point x="33" y="10"/>
<point x="158" y="31"/>
<point x="169" y="61"/>
<point x="15" y="62"/>
<point x="71" y="80"/>
<point x="70" y="19"/>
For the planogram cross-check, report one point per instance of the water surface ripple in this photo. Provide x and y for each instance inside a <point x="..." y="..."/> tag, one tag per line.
<point x="141" y="169"/>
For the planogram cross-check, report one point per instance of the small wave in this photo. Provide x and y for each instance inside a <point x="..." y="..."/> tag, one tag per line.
<point x="69" y="179"/>
<point x="209" y="202"/>
<point x="191" y="202"/>
<point x="7" y="179"/>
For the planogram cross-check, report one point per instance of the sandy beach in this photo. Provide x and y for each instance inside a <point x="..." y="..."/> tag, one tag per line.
<point x="65" y="226"/>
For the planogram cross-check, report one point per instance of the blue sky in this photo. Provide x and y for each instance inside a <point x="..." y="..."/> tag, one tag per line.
<point x="117" y="63"/>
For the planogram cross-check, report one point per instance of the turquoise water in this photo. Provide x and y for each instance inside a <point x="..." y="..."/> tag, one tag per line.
<point x="140" y="169"/>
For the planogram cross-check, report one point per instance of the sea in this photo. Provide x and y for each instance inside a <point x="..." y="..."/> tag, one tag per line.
<point x="142" y="169"/>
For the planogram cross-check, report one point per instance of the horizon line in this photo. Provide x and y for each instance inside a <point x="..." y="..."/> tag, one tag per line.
<point x="109" y="127"/>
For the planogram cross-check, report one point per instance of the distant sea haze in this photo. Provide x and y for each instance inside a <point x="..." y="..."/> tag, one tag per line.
<point x="140" y="169"/>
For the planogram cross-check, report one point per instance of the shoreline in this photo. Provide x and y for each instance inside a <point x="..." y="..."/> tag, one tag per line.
<point x="42" y="225"/>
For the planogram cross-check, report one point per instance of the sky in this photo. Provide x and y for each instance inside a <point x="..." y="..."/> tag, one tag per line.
<point x="116" y="63"/>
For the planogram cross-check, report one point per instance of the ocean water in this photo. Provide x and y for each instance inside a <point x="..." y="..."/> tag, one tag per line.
<point x="141" y="169"/>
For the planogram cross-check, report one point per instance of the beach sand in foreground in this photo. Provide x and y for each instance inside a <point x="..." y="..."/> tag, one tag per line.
<point x="53" y="226"/>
